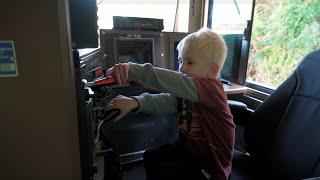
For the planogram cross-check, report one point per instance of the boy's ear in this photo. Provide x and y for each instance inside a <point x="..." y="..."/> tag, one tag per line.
<point x="215" y="69"/>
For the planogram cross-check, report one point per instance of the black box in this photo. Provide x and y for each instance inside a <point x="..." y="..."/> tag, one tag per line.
<point x="137" y="23"/>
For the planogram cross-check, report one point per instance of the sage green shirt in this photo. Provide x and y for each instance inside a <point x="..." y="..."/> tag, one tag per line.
<point x="172" y="84"/>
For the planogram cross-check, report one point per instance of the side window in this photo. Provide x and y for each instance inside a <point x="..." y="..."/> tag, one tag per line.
<point x="230" y="16"/>
<point x="283" y="32"/>
<point x="172" y="13"/>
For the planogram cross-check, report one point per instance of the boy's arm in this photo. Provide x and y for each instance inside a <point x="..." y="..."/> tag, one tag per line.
<point x="164" y="80"/>
<point x="155" y="103"/>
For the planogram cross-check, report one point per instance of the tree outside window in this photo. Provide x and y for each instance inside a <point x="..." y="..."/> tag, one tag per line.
<point x="283" y="33"/>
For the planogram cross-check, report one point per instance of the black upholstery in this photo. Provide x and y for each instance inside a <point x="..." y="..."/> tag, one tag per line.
<point x="283" y="133"/>
<point x="136" y="132"/>
<point x="139" y="131"/>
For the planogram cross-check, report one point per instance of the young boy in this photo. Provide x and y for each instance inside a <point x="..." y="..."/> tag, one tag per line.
<point x="206" y="130"/>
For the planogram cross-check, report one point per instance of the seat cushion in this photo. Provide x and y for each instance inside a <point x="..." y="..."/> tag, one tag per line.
<point x="138" y="131"/>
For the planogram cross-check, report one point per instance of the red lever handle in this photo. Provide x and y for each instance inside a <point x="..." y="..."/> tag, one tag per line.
<point x="106" y="81"/>
<point x="103" y="82"/>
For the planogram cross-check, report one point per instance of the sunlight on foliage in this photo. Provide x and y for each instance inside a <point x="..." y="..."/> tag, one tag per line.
<point x="283" y="33"/>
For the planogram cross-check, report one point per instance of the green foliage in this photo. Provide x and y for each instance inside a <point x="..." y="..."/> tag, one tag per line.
<point x="284" y="31"/>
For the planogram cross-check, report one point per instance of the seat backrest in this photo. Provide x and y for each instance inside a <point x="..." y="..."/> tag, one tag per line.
<point x="284" y="132"/>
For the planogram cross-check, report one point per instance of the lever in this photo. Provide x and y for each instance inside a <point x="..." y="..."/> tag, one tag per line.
<point x="108" y="116"/>
<point x="107" y="81"/>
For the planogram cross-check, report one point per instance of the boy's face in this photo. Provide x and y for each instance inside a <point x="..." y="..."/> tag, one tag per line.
<point x="192" y="64"/>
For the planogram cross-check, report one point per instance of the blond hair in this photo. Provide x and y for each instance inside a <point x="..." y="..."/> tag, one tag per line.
<point x="209" y="44"/>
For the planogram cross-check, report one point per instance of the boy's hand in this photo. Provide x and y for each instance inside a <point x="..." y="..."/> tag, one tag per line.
<point x="120" y="72"/>
<point x="125" y="104"/>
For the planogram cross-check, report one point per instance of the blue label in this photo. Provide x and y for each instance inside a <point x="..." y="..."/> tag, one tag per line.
<point x="8" y="62"/>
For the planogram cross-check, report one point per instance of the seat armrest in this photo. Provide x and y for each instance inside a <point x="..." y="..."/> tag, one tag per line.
<point x="240" y="112"/>
<point x="236" y="104"/>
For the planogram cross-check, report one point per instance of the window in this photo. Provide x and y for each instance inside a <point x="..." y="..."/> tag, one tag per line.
<point x="283" y="32"/>
<point x="161" y="9"/>
<point x="230" y="16"/>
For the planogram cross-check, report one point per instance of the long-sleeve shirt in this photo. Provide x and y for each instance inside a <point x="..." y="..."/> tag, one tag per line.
<point x="210" y="136"/>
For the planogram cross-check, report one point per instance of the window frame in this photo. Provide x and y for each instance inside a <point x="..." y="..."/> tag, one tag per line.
<point x="244" y="51"/>
<point x="244" y="57"/>
<point x="256" y="93"/>
<point x="256" y="86"/>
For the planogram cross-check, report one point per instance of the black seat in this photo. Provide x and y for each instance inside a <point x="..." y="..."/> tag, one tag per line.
<point x="283" y="134"/>
<point x="141" y="131"/>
